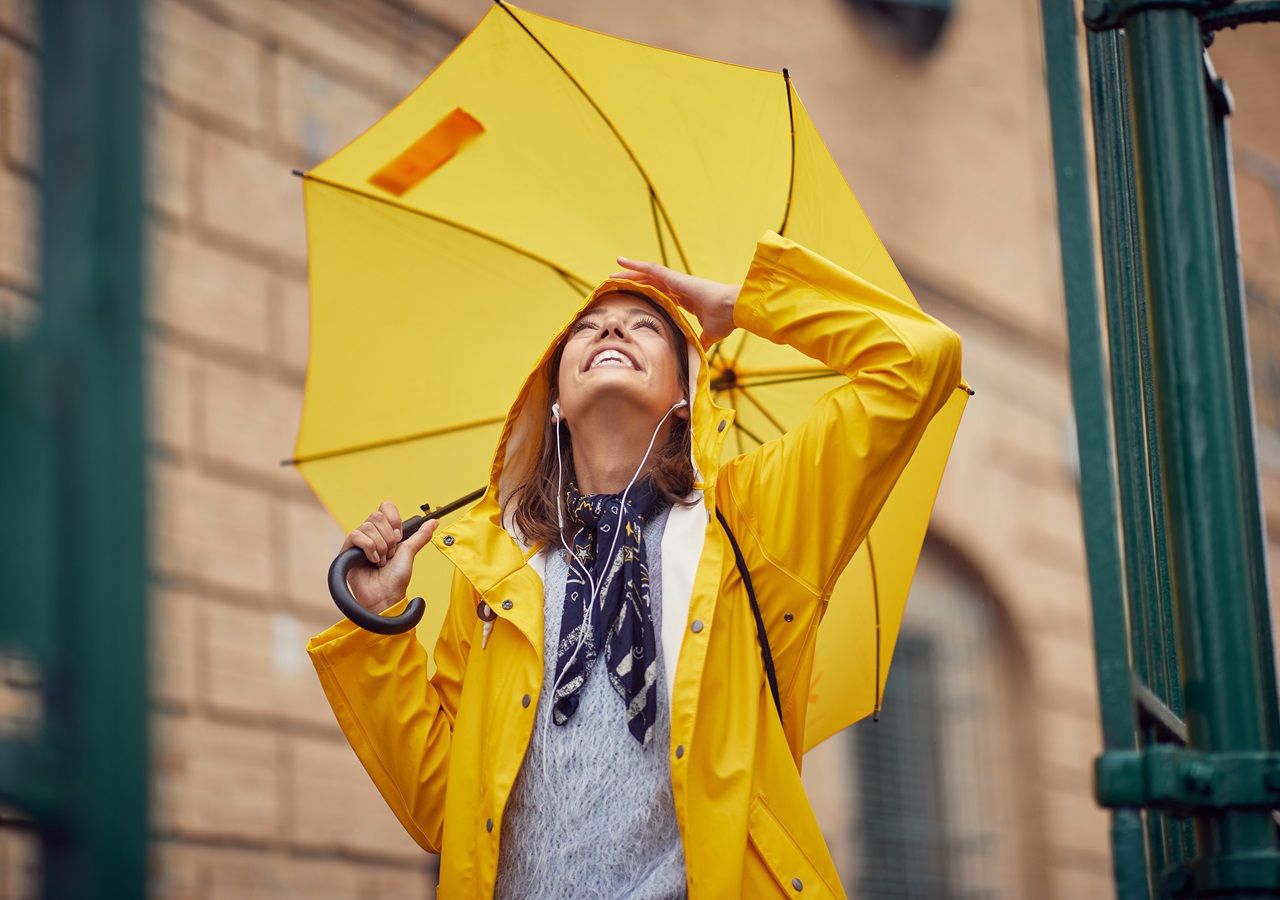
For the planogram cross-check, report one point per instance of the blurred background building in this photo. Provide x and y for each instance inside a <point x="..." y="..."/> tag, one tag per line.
<point x="976" y="780"/>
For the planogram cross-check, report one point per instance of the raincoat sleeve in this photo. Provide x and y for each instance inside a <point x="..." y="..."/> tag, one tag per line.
<point x="399" y="721"/>
<point x="808" y="498"/>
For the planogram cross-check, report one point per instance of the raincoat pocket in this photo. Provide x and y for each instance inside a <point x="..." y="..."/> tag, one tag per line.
<point x="786" y="863"/>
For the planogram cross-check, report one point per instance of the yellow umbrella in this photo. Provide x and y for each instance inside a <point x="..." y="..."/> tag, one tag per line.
<point x="450" y="240"/>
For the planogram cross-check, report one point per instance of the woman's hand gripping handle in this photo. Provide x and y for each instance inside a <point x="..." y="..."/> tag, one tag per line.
<point x="372" y="570"/>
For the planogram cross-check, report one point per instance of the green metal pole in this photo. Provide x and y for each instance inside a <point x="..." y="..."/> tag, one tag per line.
<point x="1199" y="436"/>
<point x="1233" y="295"/>
<point x="1145" y="551"/>
<point x="91" y="245"/>
<point x="1122" y="276"/>
<point x="1093" y="426"/>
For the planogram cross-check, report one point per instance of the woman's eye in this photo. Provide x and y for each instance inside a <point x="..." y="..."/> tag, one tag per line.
<point x="580" y="326"/>
<point x="649" y="323"/>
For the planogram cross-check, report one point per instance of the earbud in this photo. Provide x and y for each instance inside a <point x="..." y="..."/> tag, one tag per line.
<point x="555" y="412"/>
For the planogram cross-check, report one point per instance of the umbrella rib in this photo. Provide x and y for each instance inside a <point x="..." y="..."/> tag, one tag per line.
<point x="653" y="192"/>
<point x="790" y="380"/>
<point x="786" y="211"/>
<point x="748" y="432"/>
<point x="715" y="353"/>
<point x="775" y="371"/>
<point x="764" y="412"/>
<point x="791" y="178"/>
<point x="573" y="278"/>
<point x="657" y="228"/>
<point x="387" y="442"/>
<point x="572" y="281"/>
<point x="875" y="601"/>
<point x="737" y="432"/>
<point x="733" y="360"/>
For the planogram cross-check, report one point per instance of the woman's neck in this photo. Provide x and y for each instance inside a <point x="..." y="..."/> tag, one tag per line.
<point x="607" y="452"/>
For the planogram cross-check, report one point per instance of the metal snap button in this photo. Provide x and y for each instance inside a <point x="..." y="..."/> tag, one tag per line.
<point x="488" y="825"/>
<point x="696" y="626"/>
<point x="797" y="884"/>
<point x="788" y="617"/>
<point x="720" y="427"/>
<point x="525" y="701"/>
<point x="507" y="604"/>
<point x="679" y="751"/>
<point x="448" y="540"/>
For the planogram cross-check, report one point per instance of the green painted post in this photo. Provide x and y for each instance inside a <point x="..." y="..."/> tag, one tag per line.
<point x="91" y="276"/>
<point x="1138" y="469"/>
<point x="1093" y="426"/>
<point x="1122" y="276"/>
<point x="1199" y="437"/>
<point x="1221" y="105"/>
<point x="1122" y="273"/>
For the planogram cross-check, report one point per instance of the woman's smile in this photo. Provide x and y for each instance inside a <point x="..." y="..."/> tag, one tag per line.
<point x="611" y="357"/>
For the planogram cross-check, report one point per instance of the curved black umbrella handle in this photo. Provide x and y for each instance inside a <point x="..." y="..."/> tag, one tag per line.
<point x="354" y="556"/>
<point x="352" y="609"/>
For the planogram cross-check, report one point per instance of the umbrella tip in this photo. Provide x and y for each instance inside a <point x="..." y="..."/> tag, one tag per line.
<point x="297" y="172"/>
<point x="785" y="72"/>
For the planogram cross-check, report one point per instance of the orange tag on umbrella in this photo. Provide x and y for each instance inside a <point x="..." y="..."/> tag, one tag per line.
<point x="427" y="153"/>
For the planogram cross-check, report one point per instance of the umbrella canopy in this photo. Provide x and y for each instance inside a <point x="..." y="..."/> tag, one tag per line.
<point x="449" y="241"/>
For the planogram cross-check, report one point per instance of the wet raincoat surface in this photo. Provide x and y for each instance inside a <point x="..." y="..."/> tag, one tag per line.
<point x="444" y="751"/>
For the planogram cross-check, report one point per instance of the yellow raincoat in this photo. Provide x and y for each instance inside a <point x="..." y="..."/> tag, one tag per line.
<point x="444" y="751"/>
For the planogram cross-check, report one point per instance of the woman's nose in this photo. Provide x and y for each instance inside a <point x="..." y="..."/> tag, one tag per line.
<point x="613" y="328"/>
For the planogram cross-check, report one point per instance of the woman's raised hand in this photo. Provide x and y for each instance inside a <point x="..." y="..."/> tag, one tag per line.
<point x="710" y="301"/>
<point x="381" y="585"/>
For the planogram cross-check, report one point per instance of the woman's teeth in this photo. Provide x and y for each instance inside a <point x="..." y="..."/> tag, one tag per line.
<point x="611" y="358"/>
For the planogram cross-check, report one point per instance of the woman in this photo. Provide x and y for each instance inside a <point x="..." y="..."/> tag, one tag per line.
<point x="599" y="722"/>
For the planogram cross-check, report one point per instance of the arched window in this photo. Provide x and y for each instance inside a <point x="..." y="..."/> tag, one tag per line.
<point x="929" y="801"/>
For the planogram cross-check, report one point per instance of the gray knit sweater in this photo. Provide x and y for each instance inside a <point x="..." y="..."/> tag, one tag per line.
<point x="591" y="812"/>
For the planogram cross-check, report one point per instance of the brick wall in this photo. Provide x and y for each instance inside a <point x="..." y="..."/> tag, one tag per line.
<point x="256" y="793"/>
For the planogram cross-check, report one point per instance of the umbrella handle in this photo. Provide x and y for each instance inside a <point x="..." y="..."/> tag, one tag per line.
<point x="351" y="608"/>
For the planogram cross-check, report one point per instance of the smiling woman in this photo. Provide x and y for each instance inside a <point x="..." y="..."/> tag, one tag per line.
<point x="600" y="722"/>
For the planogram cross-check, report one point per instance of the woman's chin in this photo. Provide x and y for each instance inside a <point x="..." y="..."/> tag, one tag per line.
<point x="617" y="396"/>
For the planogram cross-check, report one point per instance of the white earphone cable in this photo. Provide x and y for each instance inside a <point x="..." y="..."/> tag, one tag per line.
<point x="589" y="603"/>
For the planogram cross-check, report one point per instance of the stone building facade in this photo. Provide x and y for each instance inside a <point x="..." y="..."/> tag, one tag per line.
<point x="256" y="793"/>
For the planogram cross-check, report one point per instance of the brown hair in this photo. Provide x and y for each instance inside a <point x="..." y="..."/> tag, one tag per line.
<point x="671" y="465"/>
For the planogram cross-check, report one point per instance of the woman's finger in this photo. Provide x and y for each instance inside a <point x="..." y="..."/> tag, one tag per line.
<point x="639" y="265"/>
<point x="388" y="509"/>
<point x="380" y="522"/>
<point x="379" y="543"/>
<point x="359" y="539"/>
<point x="633" y="276"/>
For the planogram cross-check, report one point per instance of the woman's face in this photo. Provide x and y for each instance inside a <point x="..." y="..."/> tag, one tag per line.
<point x="620" y="352"/>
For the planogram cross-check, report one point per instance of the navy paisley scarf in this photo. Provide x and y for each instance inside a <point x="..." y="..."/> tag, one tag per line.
<point x="619" y="622"/>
